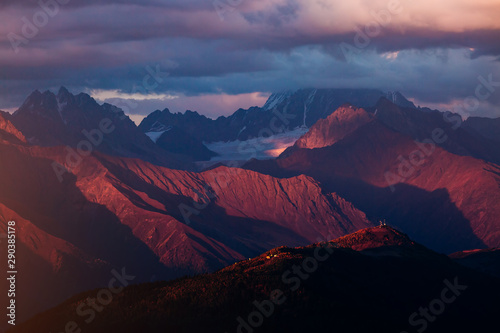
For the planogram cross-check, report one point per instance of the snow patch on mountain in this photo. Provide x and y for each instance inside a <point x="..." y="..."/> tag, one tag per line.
<point x="397" y="98"/>
<point x="154" y="136"/>
<point x="308" y="102"/>
<point x="60" y="108"/>
<point x="241" y="130"/>
<point x="276" y="98"/>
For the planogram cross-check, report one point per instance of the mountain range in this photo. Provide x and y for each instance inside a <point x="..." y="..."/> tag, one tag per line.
<point x="108" y="211"/>
<point x="92" y="194"/>
<point x="290" y="109"/>
<point x="435" y="187"/>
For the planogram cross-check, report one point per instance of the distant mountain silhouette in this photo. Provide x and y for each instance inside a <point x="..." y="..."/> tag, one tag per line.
<point x="289" y="110"/>
<point x="47" y="119"/>
<point x="445" y="201"/>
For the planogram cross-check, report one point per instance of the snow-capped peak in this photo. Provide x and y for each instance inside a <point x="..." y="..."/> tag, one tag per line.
<point x="397" y="98"/>
<point x="275" y="99"/>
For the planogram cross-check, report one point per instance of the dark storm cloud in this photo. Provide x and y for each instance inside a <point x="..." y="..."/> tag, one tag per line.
<point x="186" y="4"/>
<point x="250" y="46"/>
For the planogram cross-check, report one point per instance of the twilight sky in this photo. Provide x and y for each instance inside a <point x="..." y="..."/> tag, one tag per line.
<point x="216" y="56"/>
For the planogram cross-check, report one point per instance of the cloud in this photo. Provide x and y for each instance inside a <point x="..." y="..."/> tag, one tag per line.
<point x="270" y="24"/>
<point x="105" y="95"/>
<point x="211" y="105"/>
<point x="431" y="51"/>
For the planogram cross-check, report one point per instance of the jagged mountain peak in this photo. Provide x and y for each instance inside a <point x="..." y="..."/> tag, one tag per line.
<point x="44" y="105"/>
<point x="34" y="98"/>
<point x="159" y="112"/>
<point x="285" y="110"/>
<point x="63" y="106"/>
<point x="309" y="94"/>
<point x="277" y="98"/>
<point x="397" y="98"/>
<point x="326" y="132"/>
<point x="63" y="95"/>
<point x="63" y="91"/>
<point x="47" y="119"/>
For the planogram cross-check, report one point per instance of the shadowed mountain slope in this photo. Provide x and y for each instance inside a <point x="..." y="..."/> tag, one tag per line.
<point x="382" y="288"/>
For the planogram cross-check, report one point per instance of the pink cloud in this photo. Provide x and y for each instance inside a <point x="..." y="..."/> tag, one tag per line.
<point x="210" y="105"/>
